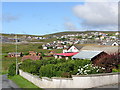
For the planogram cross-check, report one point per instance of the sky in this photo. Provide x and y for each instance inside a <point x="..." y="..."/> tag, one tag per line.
<point x="40" y="18"/>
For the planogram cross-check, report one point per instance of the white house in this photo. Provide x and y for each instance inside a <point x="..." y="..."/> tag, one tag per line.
<point x="117" y="33"/>
<point x="115" y="44"/>
<point x="73" y="48"/>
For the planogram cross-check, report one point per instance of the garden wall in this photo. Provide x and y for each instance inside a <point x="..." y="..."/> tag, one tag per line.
<point x="77" y="81"/>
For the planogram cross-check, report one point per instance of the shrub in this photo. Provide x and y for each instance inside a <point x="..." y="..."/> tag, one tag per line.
<point x="40" y="47"/>
<point x="65" y="69"/>
<point x="31" y="66"/>
<point x="89" y="69"/>
<point x="116" y="70"/>
<point x="53" y="67"/>
<point x="12" y="70"/>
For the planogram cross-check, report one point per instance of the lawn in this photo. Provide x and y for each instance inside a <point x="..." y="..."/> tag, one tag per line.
<point x="23" y="83"/>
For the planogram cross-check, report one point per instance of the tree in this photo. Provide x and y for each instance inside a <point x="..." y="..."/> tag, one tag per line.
<point x="109" y="61"/>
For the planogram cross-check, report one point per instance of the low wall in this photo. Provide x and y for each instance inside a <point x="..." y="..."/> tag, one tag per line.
<point x="77" y="81"/>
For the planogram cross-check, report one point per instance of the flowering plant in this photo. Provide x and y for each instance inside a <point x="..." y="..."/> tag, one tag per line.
<point x="89" y="69"/>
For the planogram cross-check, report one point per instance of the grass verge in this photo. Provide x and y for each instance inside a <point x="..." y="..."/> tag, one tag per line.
<point x="23" y="83"/>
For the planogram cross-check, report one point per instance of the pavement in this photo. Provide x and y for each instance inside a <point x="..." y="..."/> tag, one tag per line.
<point x="5" y="83"/>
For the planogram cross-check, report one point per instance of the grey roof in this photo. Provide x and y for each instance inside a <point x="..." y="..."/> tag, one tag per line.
<point x="107" y="49"/>
<point x="78" y="46"/>
<point x="111" y="42"/>
<point x="86" y="54"/>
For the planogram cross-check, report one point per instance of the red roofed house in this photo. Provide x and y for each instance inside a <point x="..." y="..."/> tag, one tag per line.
<point x="64" y="55"/>
<point x="32" y="55"/>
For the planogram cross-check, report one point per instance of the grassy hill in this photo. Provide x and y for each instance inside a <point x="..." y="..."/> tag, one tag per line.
<point x="57" y="34"/>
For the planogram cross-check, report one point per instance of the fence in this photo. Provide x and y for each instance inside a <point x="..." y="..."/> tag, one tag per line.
<point x="77" y="81"/>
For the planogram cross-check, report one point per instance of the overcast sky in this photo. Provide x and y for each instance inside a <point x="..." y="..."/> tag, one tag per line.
<point x="50" y="17"/>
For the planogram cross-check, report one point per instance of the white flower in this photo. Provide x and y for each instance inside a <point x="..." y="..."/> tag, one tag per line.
<point x="103" y="68"/>
<point x="82" y="69"/>
<point x="97" y="70"/>
<point x="78" y="69"/>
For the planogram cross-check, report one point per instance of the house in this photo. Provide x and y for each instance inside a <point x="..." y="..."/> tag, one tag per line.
<point x="89" y="54"/>
<point x="15" y="54"/>
<point x="32" y="53"/>
<point x="64" y="55"/>
<point x="31" y="57"/>
<point x="44" y="46"/>
<point x="59" y="47"/>
<point x="73" y="48"/>
<point x="117" y="33"/>
<point x="111" y="43"/>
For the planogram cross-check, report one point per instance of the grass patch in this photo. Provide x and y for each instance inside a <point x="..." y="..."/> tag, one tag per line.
<point x="23" y="83"/>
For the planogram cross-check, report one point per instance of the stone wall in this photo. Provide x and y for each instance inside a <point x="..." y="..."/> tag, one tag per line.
<point x="77" y="81"/>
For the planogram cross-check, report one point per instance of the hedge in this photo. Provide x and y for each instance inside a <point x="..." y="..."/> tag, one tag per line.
<point x="12" y="70"/>
<point x="65" y="69"/>
<point x="55" y="67"/>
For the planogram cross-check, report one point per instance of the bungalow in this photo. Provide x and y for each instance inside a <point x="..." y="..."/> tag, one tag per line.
<point x="44" y="46"/>
<point x="32" y="53"/>
<point x="64" y="55"/>
<point x="89" y="54"/>
<point x="14" y="54"/>
<point x="73" y="48"/>
<point x="59" y="47"/>
<point x="31" y="57"/>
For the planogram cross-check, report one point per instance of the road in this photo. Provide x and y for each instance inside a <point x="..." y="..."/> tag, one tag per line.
<point x="6" y="83"/>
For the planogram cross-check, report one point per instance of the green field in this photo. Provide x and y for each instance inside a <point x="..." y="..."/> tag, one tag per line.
<point x="25" y="48"/>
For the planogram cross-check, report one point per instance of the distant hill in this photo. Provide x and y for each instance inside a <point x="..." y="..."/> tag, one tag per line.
<point x="77" y="32"/>
<point x="57" y="34"/>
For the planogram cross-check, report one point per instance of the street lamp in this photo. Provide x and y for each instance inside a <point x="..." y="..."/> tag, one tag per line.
<point x="16" y="57"/>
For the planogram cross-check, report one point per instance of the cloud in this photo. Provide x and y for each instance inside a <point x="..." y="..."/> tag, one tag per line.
<point x="9" y="18"/>
<point x="69" y="26"/>
<point x="98" y="15"/>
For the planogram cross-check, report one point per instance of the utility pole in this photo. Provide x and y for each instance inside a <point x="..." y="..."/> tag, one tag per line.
<point x="16" y="58"/>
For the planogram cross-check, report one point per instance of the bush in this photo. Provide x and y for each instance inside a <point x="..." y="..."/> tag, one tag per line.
<point x="116" y="70"/>
<point x="53" y="67"/>
<point x="31" y="66"/>
<point x="12" y="70"/>
<point x="65" y="69"/>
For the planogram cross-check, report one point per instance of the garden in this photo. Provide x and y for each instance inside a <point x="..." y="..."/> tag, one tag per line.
<point x="56" y="67"/>
<point x="51" y="67"/>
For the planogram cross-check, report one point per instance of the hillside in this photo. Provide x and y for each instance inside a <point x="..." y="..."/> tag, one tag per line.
<point x="57" y="34"/>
